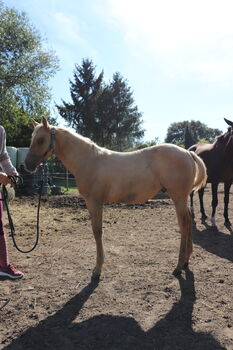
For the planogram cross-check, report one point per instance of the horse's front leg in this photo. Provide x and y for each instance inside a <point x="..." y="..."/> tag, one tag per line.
<point x="227" y="186"/>
<point x="214" y="187"/>
<point x="95" y="209"/>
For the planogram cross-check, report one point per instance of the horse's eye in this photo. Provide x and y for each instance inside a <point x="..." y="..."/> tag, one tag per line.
<point x="40" y="141"/>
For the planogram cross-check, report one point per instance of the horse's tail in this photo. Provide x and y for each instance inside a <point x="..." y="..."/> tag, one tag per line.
<point x="201" y="173"/>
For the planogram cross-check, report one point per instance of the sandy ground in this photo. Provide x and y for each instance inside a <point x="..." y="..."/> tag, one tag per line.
<point x="137" y="303"/>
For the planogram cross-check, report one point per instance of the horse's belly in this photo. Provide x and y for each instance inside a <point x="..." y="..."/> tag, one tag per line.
<point x="133" y="195"/>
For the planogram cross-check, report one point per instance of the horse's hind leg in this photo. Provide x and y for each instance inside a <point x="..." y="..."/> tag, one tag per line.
<point x="96" y="212"/>
<point x="186" y="245"/>
<point x="214" y="201"/>
<point x="202" y="209"/>
<point x="191" y="203"/>
<point x="227" y="186"/>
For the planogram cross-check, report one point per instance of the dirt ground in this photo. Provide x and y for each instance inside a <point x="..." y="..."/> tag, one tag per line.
<point x="137" y="303"/>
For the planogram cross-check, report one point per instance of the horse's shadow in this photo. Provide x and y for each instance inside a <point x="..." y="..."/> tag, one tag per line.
<point x="108" y="332"/>
<point x="213" y="240"/>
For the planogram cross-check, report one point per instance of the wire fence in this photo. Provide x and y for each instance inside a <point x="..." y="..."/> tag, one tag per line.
<point x="56" y="180"/>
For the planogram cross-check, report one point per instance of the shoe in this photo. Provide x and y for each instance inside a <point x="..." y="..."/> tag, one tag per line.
<point x="11" y="272"/>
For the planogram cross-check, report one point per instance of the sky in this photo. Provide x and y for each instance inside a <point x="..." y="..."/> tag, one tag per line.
<point x="177" y="56"/>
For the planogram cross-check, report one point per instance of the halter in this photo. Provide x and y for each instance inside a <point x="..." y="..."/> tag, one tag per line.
<point x="50" y="148"/>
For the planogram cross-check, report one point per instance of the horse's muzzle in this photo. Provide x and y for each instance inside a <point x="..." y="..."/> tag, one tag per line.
<point x="32" y="161"/>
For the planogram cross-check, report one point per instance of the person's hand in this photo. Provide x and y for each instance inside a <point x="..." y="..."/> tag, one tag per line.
<point x="15" y="173"/>
<point x="5" y="180"/>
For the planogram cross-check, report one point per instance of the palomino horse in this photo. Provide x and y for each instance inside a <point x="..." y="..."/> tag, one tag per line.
<point x="218" y="158"/>
<point x="133" y="177"/>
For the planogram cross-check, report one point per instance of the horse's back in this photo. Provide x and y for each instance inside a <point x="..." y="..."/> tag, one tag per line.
<point x="135" y="177"/>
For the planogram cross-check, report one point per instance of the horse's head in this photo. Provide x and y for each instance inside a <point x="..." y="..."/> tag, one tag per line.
<point x="42" y="145"/>
<point x="229" y="123"/>
<point x="227" y="138"/>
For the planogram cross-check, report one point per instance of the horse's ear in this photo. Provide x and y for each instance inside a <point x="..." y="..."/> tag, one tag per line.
<point x="229" y="122"/>
<point x="34" y="123"/>
<point x="45" y="122"/>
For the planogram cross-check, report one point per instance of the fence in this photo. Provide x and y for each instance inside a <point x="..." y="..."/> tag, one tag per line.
<point x="56" y="179"/>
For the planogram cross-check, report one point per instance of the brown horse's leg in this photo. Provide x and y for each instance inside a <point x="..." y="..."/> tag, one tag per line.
<point x="186" y="245"/>
<point x="96" y="212"/>
<point x="201" y="195"/>
<point x="214" y="187"/>
<point x="227" y="186"/>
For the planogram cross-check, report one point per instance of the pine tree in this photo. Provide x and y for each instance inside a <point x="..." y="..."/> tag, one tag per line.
<point x="188" y="137"/>
<point x="106" y="113"/>
<point x="81" y="114"/>
<point x="125" y="123"/>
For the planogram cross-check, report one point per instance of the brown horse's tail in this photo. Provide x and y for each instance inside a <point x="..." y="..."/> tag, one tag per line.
<point x="201" y="173"/>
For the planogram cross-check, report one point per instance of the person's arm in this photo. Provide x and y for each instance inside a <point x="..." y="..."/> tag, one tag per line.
<point x="5" y="161"/>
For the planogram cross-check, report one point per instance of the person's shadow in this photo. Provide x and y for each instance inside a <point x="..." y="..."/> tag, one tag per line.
<point x="106" y="332"/>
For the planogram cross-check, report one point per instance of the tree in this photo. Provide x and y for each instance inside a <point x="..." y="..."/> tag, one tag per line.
<point x="103" y="112"/>
<point x="25" y="69"/>
<point x="144" y="144"/>
<point x="187" y="133"/>
<point x="18" y="131"/>
<point x="82" y="113"/>
<point x="125" y="119"/>
<point x="188" y="137"/>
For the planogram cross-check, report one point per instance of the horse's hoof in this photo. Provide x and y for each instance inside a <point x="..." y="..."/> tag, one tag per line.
<point x="95" y="274"/>
<point x="185" y="266"/>
<point x="227" y="223"/>
<point x="203" y="218"/>
<point x="176" y="272"/>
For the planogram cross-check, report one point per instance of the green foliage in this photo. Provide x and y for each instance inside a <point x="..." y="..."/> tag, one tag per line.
<point x="25" y="68"/>
<point x="187" y="133"/>
<point x="124" y="119"/>
<point x="203" y="141"/>
<point x="82" y="113"/>
<point x="106" y="113"/>
<point x="189" y="139"/>
<point x="141" y="145"/>
<point x="19" y="128"/>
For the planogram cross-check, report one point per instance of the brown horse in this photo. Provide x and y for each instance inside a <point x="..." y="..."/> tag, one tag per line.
<point x="132" y="177"/>
<point x="218" y="158"/>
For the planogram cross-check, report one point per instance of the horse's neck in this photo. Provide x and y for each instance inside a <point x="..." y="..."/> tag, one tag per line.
<point x="224" y="151"/>
<point x="72" y="151"/>
<point x="229" y="154"/>
<point x="227" y="148"/>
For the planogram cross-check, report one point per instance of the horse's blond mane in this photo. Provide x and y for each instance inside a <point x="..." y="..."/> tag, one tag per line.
<point x="78" y="136"/>
<point x="88" y="142"/>
<point x="84" y="140"/>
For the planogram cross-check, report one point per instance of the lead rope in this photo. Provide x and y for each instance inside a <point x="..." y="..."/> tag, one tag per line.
<point x="14" y="179"/>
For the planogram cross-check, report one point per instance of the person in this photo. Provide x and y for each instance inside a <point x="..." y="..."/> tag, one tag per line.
<point x="6" y="269"/>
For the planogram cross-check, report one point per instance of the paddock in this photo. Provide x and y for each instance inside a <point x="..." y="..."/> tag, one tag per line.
<point x="137" y="303"/>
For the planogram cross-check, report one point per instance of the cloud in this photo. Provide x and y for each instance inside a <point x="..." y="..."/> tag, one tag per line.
<point x="187" y="39"/>
<point x="67" y="27"/>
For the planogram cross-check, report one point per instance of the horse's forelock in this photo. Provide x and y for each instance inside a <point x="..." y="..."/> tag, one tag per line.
<point x="35" y="131"/>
